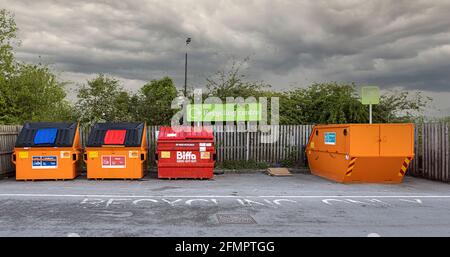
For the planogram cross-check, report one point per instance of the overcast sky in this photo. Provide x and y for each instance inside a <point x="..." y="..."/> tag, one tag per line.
<point x="392" y="44"/>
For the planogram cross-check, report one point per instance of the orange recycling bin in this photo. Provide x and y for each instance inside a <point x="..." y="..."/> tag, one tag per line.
<point x="45" y="151"/>
<point x="116" y="151"/>
<point x="367" y="153"/>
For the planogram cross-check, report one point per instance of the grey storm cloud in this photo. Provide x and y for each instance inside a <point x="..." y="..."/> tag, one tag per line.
<point x="401" y="43"/>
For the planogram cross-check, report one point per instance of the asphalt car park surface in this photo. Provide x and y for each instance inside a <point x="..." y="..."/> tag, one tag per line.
<point x="229" y="205"/>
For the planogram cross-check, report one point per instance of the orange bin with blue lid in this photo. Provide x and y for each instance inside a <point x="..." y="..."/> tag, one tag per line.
<point x="47" y="151"/>
<point x="361" y="153"/>
<point x="185" y="152"/>
<point x="116" y="151"/>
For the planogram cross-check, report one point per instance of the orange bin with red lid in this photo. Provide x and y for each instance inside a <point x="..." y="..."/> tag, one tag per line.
<point x="116" y="151"/>
<point x="185" y="152"/>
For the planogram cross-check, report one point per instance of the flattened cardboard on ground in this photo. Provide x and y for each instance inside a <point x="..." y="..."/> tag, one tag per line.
<point x="279" y="172"/>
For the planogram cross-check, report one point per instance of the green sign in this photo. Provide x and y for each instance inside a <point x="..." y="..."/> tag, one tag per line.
<point x="224" y="112"/>
<point x="370" y="95"/>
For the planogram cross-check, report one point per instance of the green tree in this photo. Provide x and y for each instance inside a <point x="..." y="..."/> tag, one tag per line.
<point x="322" y="103"/>
<point x="233" y="82"/>
<point x="328" y="103"/>
<point x="103" y="99"/>
<point x="33" y="94"/>
<point x="8" y="31"/>
<point x="154" y="101"/>
<point x="27" y="92"/>
<point x="400" y="106"/>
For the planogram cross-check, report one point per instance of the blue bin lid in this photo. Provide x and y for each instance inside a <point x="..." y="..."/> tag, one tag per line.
<point x="45" y="136"/>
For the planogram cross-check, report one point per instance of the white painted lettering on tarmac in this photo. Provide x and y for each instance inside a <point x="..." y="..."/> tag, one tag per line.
<point x="328" y="201"/>
<point x="172" y="203"/>
<point x="379" y="201"/>
<point x="358" y="202"/>
<point x="245" y="202"/>
<point x="94" y="201"/>
<point x="412" y="201"/>
<point x="189" y="202"/>
<point x="136" y="202"/>
<point x="278" y="201"/>
<point x="111" y="201"/>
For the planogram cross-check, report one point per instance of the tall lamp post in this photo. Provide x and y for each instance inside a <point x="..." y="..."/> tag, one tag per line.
<point x="188" y="40"/>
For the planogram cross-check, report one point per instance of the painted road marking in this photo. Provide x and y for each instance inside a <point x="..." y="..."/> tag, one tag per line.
<point x="225" y="196"/>
<point x="243" y="202"/>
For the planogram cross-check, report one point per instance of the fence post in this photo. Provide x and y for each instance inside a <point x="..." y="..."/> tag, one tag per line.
<point x="447" y="155"/>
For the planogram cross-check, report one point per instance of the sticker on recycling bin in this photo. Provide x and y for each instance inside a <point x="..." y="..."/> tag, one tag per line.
<point x="113" y="161"/>
<point x="44" y="162"/>
<point x="64" y="154"/>
<point x="133" y="154"/>
<point x="330" y="138"/>
<point x="205" y="155"/>
<point x="165" y="154"/>
<point x="93" y="154"/>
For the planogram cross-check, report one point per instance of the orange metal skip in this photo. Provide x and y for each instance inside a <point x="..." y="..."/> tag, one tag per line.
<point x="67" y="161"/>
<point x="135" y="166"/>
<point x="367" y="153"/>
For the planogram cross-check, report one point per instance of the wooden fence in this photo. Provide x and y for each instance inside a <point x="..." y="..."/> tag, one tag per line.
<point x="432" y="146"/>
<point x="8" y="135"/>
<point x="233" y="144"/>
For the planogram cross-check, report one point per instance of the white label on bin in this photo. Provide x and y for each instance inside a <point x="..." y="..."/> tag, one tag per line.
<point x="202" y="148"/>
<point x="183" y="156"/>
<point x="330" y="138"/>
<point x="44" y="162"/>
<point x="172" y="135"/>
<point x="133" y="154"/>
<point x="184" y="144"/>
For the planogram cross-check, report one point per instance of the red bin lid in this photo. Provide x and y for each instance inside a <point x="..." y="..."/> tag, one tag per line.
<point x="167" y="133"/>
<point x="115" y="137"/>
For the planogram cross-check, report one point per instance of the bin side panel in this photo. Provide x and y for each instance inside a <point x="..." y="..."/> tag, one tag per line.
<point x="44" y="164"/>
<point x="328" y="165"/>
<point x="186" y="172"/>
<point x="396" y="140"/>
<point x="376" y="170"/>
<point x="364" y="140"/>
<point x="114" y="163"/>
<point x="330" y="139"/>
<point x="185" y="158"/>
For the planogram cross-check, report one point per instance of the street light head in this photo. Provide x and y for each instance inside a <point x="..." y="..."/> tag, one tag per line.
<point x="188" y="40"/>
